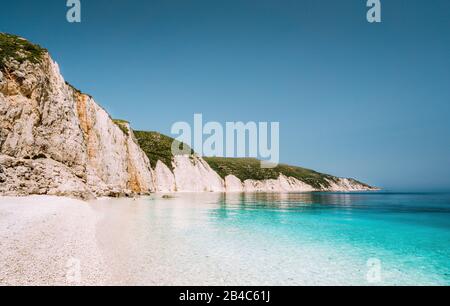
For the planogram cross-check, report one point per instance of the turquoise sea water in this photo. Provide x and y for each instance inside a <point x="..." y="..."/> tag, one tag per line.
<point x="290" y="239"/>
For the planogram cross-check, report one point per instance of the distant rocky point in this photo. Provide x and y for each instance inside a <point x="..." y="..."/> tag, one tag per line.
<point x="56" y="140"/>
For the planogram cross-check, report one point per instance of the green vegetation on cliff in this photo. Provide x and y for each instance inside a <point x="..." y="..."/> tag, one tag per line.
<point x="250" y="169"/>
<point x="157" y="147"/>
<point x="19" y="49"/>
<point x="123" y="125"/>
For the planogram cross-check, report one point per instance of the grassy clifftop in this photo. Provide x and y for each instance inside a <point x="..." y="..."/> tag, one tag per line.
<point x="19" y="49"/>
<point x="157" y="147"/>
<point x="250" y="169"/>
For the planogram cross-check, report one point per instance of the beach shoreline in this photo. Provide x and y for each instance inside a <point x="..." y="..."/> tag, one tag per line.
<point x="224" y="240"/>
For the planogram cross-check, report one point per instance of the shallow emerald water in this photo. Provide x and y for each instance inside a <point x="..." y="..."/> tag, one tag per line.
<point x="279" y="239"/>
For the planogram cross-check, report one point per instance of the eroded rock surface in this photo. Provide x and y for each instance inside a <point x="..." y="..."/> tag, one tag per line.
<point x="56" y="140"/>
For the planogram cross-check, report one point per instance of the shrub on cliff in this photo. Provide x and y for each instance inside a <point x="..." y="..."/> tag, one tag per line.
<point x="250" y="169"/>
<point x="18" y="49"/>
<point x="157" y="147"/>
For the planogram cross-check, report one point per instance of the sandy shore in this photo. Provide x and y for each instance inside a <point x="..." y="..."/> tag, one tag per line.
<point x="206" y="239"/>
<point x="49" y="241"/>
<point x="60" y="241"/>
<point x="185" y="240"/>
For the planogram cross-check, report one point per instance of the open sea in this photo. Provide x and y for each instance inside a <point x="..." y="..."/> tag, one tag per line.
<point x="376" y="238"/>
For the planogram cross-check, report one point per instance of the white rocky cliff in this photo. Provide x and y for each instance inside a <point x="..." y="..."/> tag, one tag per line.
<point x="193" y="174"/>
<point x="55" y="140"/>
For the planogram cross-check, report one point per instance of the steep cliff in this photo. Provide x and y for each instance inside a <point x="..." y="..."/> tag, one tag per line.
<point x="181" y="173"/>
<point x="56" y="140"/>
<point x="246" y="174"/>
<point x="191" y="173"/>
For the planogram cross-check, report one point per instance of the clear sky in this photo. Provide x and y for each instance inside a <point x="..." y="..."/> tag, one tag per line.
<point x="370" y="101"/>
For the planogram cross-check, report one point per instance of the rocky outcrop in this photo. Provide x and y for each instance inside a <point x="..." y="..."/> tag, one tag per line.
<point x="39" y="177"/>
<point x="190" y="174"/>
<point x="233" y="184"/>
<point x="115" y="163"/>
<point x="345" y="184"/>
<point x="282" y="184"/>
<point x="193" y="174"/>
<point x="56" y="140"/>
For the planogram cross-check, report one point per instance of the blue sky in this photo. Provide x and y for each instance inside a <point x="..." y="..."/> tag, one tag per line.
<point x="370" y="101"/>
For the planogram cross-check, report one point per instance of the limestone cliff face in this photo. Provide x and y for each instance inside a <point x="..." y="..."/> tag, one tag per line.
<point x="56" y="140"/>
<point x="190" y="174"/>
<point x="345" y="184"/>
<point x="193" y="174"/>
<point x="114" y="160"/>
<point x="291" y="184"/>
<point x="164" y="178"/>
<point x="282" y="184"/>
